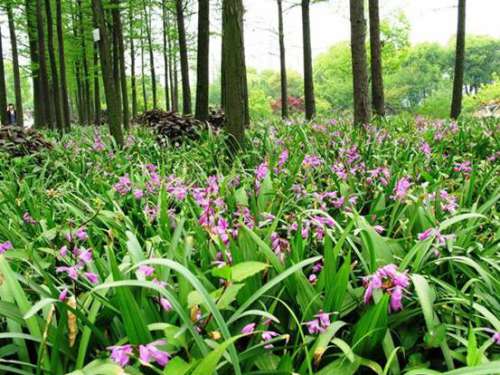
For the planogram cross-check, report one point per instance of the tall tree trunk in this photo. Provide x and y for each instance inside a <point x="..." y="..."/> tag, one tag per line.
<point x="359" y="65"/>
<point x="310" y="102"/>
<point x="15" y="66"/>
<point x="86" y="76"/>
<point x="132" y="61"/>
<point x="3" y="89"/>
<point x="172" y="63"/>
<point x="151" y="56"/>
<point x="222" y="73"/>
<point x="121" y="60"/>
<point x="202" y="81"/>
<point x="56" y="92"/>
<point x="39" y="116"/>
<point x="143" y="76"/>
<point x="376" y="59"/>
<point x="186" y="90"/>
<point x="97" y="89"/>
<point x="42" y="67"/>
<point x="458" y="78"/>
<point x="284" y="84"/>
<point x="236" y="100"/>
<point x="165" y="53"/>
<point x="62" y="67"/>
<point x="111" y="88"/>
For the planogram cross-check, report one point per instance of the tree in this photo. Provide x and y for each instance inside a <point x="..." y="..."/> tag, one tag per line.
<point x="121" y="61"/>
<point x="111" y="89"/>
<point x="284" y="83"/>
<point x="236" y="100"/>
<point x="86" y="101"/>
<point x="310" y="102"/>
<point x="186" y="90"/>
<point x="53" y="68"/>
<point x="166" y="52"/>
<point x="62" y="66"/>
<point x="3" y="89"/>
<point x="359" y="65"/>
<point x="15" y="66"/>
<point x="202" y="82"/>
<point x="376" y="59"/>
<point x="458" y="77"/>
<point x="133" y="83"/>
<point x="151" y="54"/>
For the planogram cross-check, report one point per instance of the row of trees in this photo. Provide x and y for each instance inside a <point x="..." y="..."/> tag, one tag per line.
<point x="98" y="39"/>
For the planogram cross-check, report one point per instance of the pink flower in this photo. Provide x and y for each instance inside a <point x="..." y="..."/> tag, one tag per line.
<point x="5" y="246"/>
<point x="379" y="229"/>
<point x="324" y="319"/>
<point x="401" y="189"/>
<point x="390" y="280"/>
<point x="426" y="234"/>
<point x="267" y="336"/>
<point x="72" y="272"/>
<point x="165" y="304"/>
<point x="28" y="219"/>
<point x="150" y="352"/>
<point x="63" y="295"/>
<point x="121" y="354"/>
<point x="311" y="161"/>
<point x="123" y="186"/>
<point x="85" y="255"/>
<point x="426" y="149"/>
<point x="63" y="251"/>
<point x="248" y="329"/>
<point x="496" y="338"/>
<point x="465" y="167"/>
<point x="91" y="277"/>
<point x="314" y="327"/>
<point x="396" y="298"/>
<point x="282" y="158"/>
<point x="138" y="194"/>
<point x="146" y="270"/>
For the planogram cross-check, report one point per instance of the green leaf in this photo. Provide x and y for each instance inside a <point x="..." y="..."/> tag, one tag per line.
<point x="371" y="328"/>
<point x="241" y="271"/>
<point x="209" y="364"/>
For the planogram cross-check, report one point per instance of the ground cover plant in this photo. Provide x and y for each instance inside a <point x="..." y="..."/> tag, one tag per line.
<point x="322" y="249"/>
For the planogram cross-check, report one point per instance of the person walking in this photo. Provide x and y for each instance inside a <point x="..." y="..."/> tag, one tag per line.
<point x="11" y="115"/>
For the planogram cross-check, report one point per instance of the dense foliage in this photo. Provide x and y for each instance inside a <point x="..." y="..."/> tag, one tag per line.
<point x="322" y="249"/>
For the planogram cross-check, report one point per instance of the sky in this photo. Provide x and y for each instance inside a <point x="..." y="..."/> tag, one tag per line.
<point x="431" y="20"/>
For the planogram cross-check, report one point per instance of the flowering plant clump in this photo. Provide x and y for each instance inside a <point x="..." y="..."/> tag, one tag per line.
<point x="320" y="248"/>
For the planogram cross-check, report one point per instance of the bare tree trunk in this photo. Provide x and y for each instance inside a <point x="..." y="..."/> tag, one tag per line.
<point x="132" y="61"/>
<point x="165" y="54"/>
<point x="3" y="88"/>
<point x="62" y="67"/>
<point x="97" y="89"/>
<point x="203" y="73"/>
<point x="111" y="88"/>
<point x="143" y="76"/>
<point x="458" y="79"/>
<point x="186" y="89"/>
<point x="42" y="67"/>
<point x="87" y="107"/>
<point x="172" y="73"/>
<point x="310" y="102"/>
<point x="235" y="93"/>
<point x="121" y="60"/>
<point x="15" y="66"/>
<point x="359" y="64"/>
<point x="151" y="56"/>
<point x="56" y="91"/>
<point x="376" y="59"/>
<point x="284" y="84"/>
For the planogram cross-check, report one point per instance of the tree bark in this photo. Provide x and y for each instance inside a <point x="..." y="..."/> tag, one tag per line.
<point x="172" y="63"/>
<point x="87" y="107"/>
<point x="235" y="93"/>
<point x="121" y="61"/>
<point x="359" y="64"/>
<point x="143" y="76"/>
<point x="284" y="84"/>
<point x="165" y="54"/>
<point x="97" y="89"/>
<point x="458" y="78"/>
<point x="202" y="70"/>
<point x="132" y="61"/>
<point x="15" y="66"/>
<point x="39" y="110"/>
<point x="151" y="56"/>
<point x="62" y="67"/>
<point x="3" y="88"/>
<point x="308" y="69"/>
<point x="376" y="59"/>
<point x="186" y="89"/>
<point x="56" y="91"/>
<point x="111" y="88"/>
<point x="42" y="67"/>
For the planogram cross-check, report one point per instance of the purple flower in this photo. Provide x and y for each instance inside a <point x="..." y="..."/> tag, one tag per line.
<point x="72" y="272"/>
<point x="401" y="189"/>
<point x="248" y="329"/>
<point x="267" y="336"/>
<point x="282" y="158"/>
<point x="63" y="251"/>
<point x="138" y="194"/>
<point x="465" y="167"/>
<point x="311" y="161"/>
<point x="496" y="338"/>
<point x="28" y="219"/>
<point x="396" y="298"/>
<point x="313" y="326"/>
<point x="425" y="148"/>
<point x="120" y="354"/>
<point x="165" y="304"/>
<point x="279" y="245"/>
<point x="98" y="144"/>
<point x="390" y="280"/>
<point x="91" y="277"/>
<point x="426" y="234"/>
<point x="379" y="229"/>
<point x="324" y="319"/>
<point x="123" y="186"/>
<point x="85" y="255"/>
<point x="63" y="295"/>
<point x="150" y="352"/>
<point x="5" y="246"/>
<point x="146" y="270"/>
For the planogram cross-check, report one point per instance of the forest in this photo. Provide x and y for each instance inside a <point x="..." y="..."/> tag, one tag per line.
<point x="169" y="208"/>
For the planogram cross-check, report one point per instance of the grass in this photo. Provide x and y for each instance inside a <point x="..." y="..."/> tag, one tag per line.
<point x="180" y="261"/>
